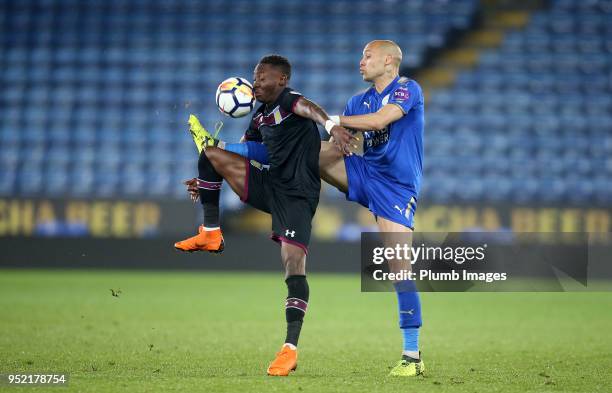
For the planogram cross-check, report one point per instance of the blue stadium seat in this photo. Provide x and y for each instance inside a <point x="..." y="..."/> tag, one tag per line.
<point x="103" y="98"/>
<point x="540" y="105"/>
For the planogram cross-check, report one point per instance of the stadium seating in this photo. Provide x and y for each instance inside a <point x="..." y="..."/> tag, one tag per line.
<point x="533" y="122"/>
<point x="95" y="95"/>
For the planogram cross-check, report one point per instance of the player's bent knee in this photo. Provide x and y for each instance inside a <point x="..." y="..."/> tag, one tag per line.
<point x="227" y="164"/>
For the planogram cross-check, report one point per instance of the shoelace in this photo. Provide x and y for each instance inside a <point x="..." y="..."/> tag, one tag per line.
<point x="402" y="363"/>
<point x="282" y="353"/>
<point x="218" y="127"/>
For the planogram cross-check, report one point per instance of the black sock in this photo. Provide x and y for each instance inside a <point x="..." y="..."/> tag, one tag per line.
<point x="295" y="306"/>
<point x="209" y="186"/>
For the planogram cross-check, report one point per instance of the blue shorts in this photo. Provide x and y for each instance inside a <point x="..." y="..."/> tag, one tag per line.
<point x="382" y="197"/>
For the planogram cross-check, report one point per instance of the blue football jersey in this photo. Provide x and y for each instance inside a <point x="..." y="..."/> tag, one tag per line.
<point x="396" y="153"/>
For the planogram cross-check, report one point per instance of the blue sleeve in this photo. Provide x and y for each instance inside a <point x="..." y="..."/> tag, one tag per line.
<point x="406" y="96"/>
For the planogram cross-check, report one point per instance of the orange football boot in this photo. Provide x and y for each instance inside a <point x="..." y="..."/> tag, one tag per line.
<point x="211" y="241"/>
<point x="285" y="362"/>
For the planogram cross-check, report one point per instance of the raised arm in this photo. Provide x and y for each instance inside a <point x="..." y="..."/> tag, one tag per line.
<point x="308" y="109"/>
<point x="373" y="121"/>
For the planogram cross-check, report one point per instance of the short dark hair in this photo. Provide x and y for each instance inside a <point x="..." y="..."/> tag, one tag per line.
<point x="278" y="61"/>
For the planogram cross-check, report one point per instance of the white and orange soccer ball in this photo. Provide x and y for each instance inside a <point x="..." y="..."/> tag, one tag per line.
<point x="235" y="97"/>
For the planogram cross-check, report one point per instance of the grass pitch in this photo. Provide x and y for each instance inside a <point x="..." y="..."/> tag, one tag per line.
<point x="217" y="332"/>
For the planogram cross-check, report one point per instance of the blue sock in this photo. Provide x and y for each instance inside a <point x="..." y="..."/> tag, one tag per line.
<point x="238" y="148"/>
<point x="250" y="150"/>
<point x="409" y="308"/>
<point x="411" y="339"/>
<point x="258" y="152"/>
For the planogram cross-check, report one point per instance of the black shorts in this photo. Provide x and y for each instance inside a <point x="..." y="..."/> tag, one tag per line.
<point x="291" y="215"/>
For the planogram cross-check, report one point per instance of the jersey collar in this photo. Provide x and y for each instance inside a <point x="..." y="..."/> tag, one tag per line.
<point x="389" y="86"/>
<point x="269" y="107"/>
<point x="387" y="89"/>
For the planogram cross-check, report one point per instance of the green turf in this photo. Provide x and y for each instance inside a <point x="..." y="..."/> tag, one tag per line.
<point x="217" y="332"/>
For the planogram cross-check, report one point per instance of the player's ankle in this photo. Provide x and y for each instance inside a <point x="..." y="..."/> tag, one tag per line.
<point x="291" y="346"/>
<point x="412" y="354"/>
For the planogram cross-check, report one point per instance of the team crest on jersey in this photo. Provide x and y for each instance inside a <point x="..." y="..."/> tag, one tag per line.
<point x="274" y="118"/>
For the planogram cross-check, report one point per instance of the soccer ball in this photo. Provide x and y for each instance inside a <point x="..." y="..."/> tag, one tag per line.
<point x="235" y="97"/>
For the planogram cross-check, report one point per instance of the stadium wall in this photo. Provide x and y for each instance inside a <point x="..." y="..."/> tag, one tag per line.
<point x="137" y="234"/>
<point x="243" y="252"/>
<point x="130" y="219"/>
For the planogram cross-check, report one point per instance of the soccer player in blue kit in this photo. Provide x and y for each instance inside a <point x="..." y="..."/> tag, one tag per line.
<point x="386" y="179"/>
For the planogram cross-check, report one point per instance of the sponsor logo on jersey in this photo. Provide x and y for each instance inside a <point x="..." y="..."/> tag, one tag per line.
<point x="401" y="94"/>
<point x="376" y="138"/>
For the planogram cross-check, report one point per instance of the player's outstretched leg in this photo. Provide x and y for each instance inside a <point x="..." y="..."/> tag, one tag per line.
<point x="331" y="166"/>
<point x="204" y="139"/>
<point x="296" y="303"/>
<point x="214" y="165"/>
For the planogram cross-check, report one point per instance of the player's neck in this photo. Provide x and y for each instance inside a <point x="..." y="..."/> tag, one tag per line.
<point x="381" y="83"/>
<point x="276" y="95"/>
